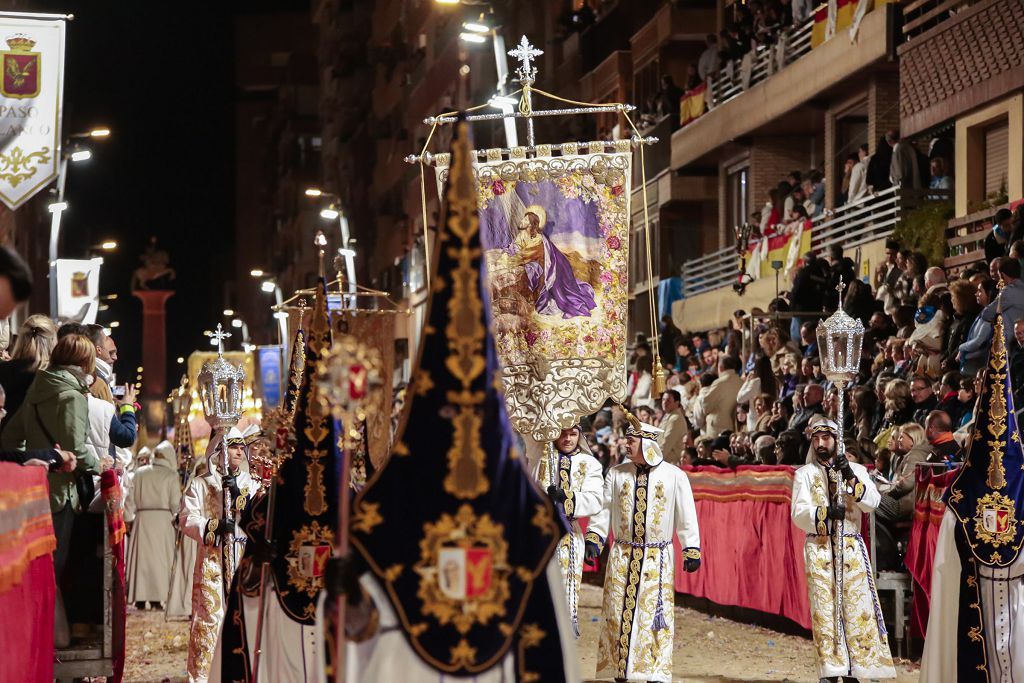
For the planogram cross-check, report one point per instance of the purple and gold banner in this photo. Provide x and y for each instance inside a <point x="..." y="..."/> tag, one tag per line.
<point x="555" y="234"/>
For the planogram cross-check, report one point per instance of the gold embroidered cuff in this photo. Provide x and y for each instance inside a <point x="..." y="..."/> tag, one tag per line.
<point x="820" y="515"/>
<point x="210" y="536"/>
<point x="241" y="502"/>
<point x="570" y="504"/>
<point x="858" y="491"/>
<point x="691" y="553"/>
<point x="592" y="537"/>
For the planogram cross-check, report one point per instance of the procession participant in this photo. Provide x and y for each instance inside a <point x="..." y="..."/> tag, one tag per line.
<point x="303" y="525"/>
<point x="452" y="573"/>
<point x="575" y="483"/>
<point x="154" y="501"/>
<point x="201" y="516"/>
<point x="646" y="502"/>
<point x="977" y="608"/>
<point x="849" y="634"/>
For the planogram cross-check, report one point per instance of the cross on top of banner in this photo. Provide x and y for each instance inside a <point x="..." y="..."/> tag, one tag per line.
<point x="525" y="53"/>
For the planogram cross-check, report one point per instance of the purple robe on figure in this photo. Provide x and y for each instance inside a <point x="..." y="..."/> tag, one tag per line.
<point x="560" y="291"/>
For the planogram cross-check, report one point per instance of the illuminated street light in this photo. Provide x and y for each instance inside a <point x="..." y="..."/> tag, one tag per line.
<point x="347" y="252"/>
<point x="472" y="37"/>
<point x="268" y="286"/>
<point x="228" y="312"/>
<point x="314" y="192"/>
<point x="81" y="155"/>
<point x="256" y="272"/>
<point x="330" y="213"/>
<point x="181" y="360"/>
<point x="99" y="133"/>
<point x="237" y="322"/>
<point x="109" y="245"/>
<point x="114" y="325"/>
<point x="57" y="207"/>
<point x="474" y="27"/>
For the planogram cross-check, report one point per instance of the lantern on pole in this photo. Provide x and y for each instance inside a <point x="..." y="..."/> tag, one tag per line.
<point x="220" y="387"/>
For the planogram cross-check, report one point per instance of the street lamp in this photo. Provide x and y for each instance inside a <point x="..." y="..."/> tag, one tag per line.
<point x="271" y="287"/>
<point x="58" y="207"/>
<point x="332" y="213"/>
<point x="476" y="32"/>
<point x="228" y="312"/>
<point x="109" y="245"/>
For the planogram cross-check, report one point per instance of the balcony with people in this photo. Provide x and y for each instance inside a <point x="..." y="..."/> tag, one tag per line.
<point x="772" y="59"/>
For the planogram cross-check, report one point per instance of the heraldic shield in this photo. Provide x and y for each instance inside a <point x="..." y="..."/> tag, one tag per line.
<point x="20" y="68"/>
<point x="451" y="527"/>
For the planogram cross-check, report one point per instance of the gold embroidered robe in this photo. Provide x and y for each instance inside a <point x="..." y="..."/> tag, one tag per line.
<point x="201" y="504"/>
<point x="854" y="644"/>
<point x="644" y="508"/>
<point x="579" y="476"/>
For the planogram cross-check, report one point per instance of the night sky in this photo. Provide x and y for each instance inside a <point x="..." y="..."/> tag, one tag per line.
<point x="160" y="76"/>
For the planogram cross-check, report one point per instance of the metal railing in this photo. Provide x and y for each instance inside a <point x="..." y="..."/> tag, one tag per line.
<point x="728" y="84"/>
<point x="865" y="220"/>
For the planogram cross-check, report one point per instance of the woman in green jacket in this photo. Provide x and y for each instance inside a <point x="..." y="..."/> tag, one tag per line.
<point x="55" y="414"/>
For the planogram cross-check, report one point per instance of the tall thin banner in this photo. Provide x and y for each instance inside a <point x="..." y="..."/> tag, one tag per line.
<point x="31" y="100"/>
<point x="269" y="360"/>
<point x="78" y="289"/>
<point x="555" y="233"/>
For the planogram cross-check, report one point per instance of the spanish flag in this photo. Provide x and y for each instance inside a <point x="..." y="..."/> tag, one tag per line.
<point x="692" y="104"/>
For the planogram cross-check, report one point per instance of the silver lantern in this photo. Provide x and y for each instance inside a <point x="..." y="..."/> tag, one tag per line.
<point x="220" y="388"/>
<point x="840" y="341"/>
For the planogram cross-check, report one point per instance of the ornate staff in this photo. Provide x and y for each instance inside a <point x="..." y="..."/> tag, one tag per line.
<point x="220" y="388"/>
<point x="840" y="342"/>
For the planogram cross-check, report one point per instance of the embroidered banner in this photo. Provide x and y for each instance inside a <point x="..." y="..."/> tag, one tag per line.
<point x="78" y="289"/>
<point x="555" y="234"/>
<point x="31" y="97"/>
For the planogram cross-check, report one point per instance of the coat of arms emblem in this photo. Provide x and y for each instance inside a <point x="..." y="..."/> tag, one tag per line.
<point x="995" y="522"/>
<point x="79" y="284"/>
<point x="20" y="66"/>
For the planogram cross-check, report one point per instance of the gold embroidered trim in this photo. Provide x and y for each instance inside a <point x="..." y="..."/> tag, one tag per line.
<point x="636" y="560"/>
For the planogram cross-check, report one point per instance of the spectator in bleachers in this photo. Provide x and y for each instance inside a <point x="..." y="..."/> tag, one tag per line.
<point x="903" y="170"/>
<point x="938" y="428"/>
<point x="1011" y="296"/>
<point x="709" y="62"/>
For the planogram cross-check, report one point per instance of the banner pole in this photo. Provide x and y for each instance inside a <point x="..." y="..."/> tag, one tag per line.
<point x="40" y="17"/>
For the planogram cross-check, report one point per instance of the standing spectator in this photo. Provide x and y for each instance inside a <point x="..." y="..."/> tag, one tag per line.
<point x="31" y="353"/>
<point x="715" y="411"/>
<point x="879" y="166"/>
<point x="669" y="98"/>
<point x="997" y="241"/>
<point x="806" y="294"/>
<point x="903" y="170"/>
<point x="838" y="268"/>
<point x="15" y="282"/>
<point x="674" y="427"/>
<point x="973" y="353"/>
<point x="887" y="276"/>
<point x="844" y="188"/>
<point x="709" y="62"/>
<point x="859" y="175"/>
<point x="640" y="382"/>
<point x="55" y="414"/>
<point x="1010" y="300"/>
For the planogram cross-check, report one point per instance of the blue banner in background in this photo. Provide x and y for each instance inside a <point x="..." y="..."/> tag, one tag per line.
<point x="269" y="361"/>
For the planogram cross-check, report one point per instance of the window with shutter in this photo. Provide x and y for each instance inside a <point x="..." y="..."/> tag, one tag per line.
<point x="997" y="158"/>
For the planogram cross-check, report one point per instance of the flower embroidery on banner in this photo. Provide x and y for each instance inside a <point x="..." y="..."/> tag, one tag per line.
<point x="606" y="277"/>
<point x="531" y="337"/>
<point x="498" y="188"/>
<point x="614" y="242"/>
<point x="617" y="190"/>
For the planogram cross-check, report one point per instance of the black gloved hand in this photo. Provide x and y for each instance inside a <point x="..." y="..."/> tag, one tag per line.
<point x="691" y="565"/>
<point x="263" y="551"/>
<point x="591" y="551"/>
<point x="230" y="484"/>
<point x="341" y="577"/>
<point x="836" y="512"/>
<point x="226" y="527"/>
<point x="556" y="494"/>
<point x="843" y="465"/>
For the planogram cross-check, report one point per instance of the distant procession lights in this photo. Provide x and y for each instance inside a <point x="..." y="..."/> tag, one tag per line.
<point x="472" y="37"/>
<point x="474" y="27"/>
<point x="313" y="192"/>
<point x="330" y="213"/>
<point x="268" y="286"/>
<point x="256" y="272"/>
<point x="81" y="155"/>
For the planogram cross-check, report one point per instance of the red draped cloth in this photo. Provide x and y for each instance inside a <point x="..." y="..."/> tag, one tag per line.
<point x="27" y="585"/>
<point x="752" y="554"/>
<point x="924" y="533"/>
<point x="110" y="486"/>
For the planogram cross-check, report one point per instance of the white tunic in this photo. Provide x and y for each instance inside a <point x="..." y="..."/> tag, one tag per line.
<point x="203" y="502"/>
<point x="579" y="475"/>
<point x="644" y="508"/>
<point x="854" y="645"/>
<point x="154" y="502"/>
<point x="1002" y="610"/>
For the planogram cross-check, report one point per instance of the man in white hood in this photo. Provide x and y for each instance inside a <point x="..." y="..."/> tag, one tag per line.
<point x="154" y="501"/>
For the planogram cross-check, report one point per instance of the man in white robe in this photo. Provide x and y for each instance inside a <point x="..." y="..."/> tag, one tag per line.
<point x="646" y="502"/>
<point x="154" y="502"/>
<point x="202" y="518"/>
<point x="571" y="475"/>
<point x="854" y="645"/>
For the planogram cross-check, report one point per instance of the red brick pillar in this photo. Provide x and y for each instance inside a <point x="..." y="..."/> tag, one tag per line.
<point x="154" y="354"/>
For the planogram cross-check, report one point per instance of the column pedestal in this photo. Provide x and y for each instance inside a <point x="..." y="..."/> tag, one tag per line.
<point x="154" y="355"/>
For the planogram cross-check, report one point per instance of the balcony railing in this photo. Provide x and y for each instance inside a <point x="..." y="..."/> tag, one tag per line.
<point x="851" y="225"/>
<point x="922" y="15"/>
<point x="766" y="60"/>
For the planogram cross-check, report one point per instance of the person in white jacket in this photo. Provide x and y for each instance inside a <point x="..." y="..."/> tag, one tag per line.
<point x="154" y="501"/>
